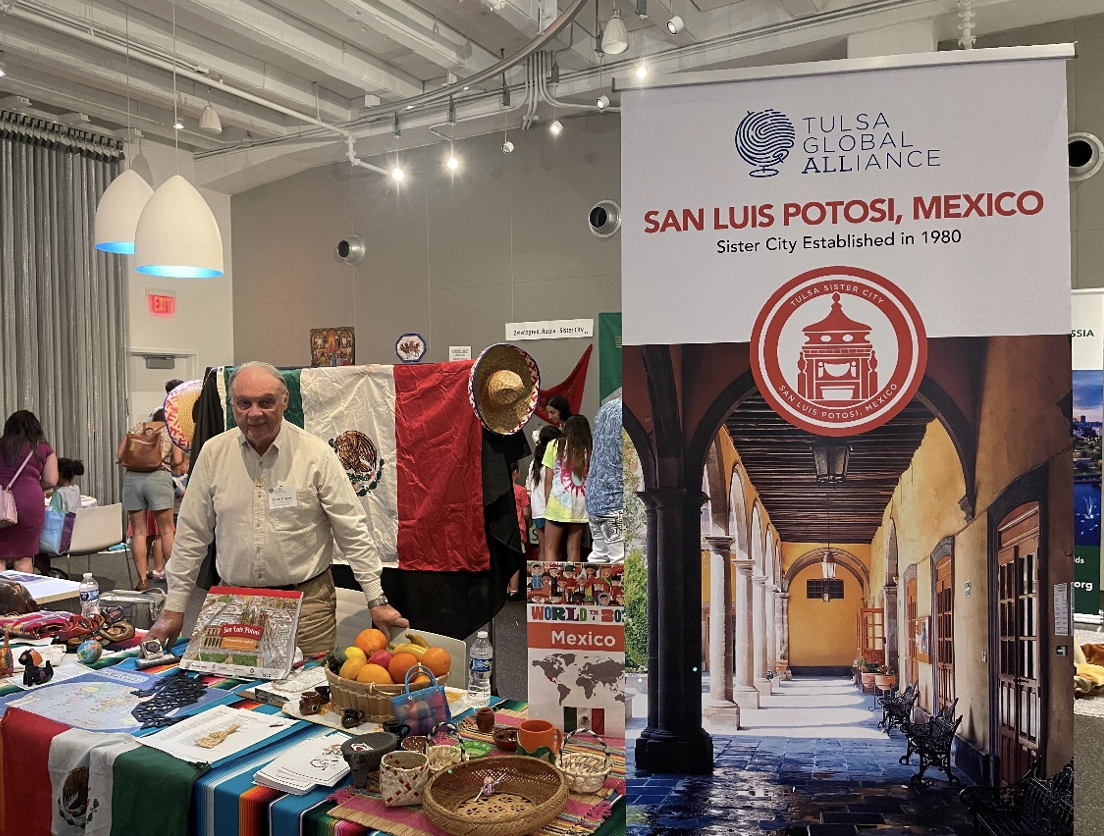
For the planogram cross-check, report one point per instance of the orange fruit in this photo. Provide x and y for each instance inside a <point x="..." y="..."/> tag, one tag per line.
<point x="374" y="673"/>
<point x="400" y="664"/>
<point x="437" y="660"/>
<point x="370" y="641"/>
<point x="351" y="668"/>
<point x="420" y="680"/>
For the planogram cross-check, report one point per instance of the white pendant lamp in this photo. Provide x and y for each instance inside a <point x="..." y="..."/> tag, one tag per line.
<point x="119" y="210"/>
<point x="178" y="236"/>
<point x="615" y="39"/>
<point x="209" y="121"/>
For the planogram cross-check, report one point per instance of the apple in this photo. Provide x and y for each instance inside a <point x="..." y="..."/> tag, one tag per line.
<point x="381" y="658"/>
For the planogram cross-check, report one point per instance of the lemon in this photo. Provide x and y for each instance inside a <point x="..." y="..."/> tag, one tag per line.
<point x="351" y="668"/>
<point x="353" y="652"/>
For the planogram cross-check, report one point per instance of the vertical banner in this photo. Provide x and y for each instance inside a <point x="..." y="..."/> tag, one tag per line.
<point x="576" y="617"/>
<point x="834" y="287"/>
<point x="609" y="354"/>
<point x="1088" y="397"/>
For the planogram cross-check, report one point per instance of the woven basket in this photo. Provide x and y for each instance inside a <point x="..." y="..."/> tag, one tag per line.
<point x="586" y="772"/>
<point x="444" y="756"/>
<point x="374" y="700"/>
<point x="529" y="794"/>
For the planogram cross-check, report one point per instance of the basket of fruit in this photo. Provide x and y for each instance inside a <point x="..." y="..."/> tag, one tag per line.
<point x="363" y="676"/>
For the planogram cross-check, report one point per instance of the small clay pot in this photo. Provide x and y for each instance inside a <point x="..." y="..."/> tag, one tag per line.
<point x="323" y="692"/>
<point x="485" y="719"/>
<point x="505" y="738"/>
<point x="351" y="718"/>
<point x="310" y="703"/>
<point x="417" y="743"/>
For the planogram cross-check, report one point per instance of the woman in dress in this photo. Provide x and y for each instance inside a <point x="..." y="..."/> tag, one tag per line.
<point x="28" y="466"/>
<point x="565" y="470"/>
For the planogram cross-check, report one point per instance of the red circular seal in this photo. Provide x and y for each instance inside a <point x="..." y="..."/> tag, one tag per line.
<point x="838" y="351"/>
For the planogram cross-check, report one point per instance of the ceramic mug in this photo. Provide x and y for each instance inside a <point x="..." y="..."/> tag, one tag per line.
<point x="538" y="734"/>
<point x="400" y="730"/>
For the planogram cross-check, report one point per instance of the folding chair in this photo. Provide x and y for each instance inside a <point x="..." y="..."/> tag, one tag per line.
<point x="97" y="529"/>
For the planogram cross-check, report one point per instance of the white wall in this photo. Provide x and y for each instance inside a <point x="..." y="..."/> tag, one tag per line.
<point x="203" y="326"/>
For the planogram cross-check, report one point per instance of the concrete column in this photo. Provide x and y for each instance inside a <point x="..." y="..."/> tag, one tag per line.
<point x="759" y="636"/>
<point x="902" y="39"/>
<point x="784" y="610"/>
<point x="772" y="627"/>
<point x="675" y="740"/>
<point x="744" y="692"/>
<point x="889" y="605"/>
<point x="720" y="708"/>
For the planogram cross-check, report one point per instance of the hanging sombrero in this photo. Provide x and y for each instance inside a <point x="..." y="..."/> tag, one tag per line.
<point x="503" y="388"/>
<point x="178" y="413"/>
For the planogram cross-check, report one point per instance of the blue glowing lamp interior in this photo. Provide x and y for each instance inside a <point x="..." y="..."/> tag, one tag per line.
<point x="176" y="271"/>
<point x="122" y="247"/>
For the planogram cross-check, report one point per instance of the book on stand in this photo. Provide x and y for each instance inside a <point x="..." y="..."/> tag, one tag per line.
<point x="245" y="633"/>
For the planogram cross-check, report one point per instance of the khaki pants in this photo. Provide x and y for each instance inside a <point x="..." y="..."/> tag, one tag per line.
<point x="318" y="615"/>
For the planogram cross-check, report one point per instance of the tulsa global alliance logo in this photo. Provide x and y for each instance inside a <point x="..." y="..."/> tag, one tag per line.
<point x="831" y="144"/>
<point x="838" y="351"/>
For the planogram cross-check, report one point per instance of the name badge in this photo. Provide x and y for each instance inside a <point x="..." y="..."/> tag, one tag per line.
<point x="281" y="498"/>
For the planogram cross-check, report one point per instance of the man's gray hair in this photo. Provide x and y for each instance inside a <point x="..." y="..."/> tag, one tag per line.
<point x="263" y="366"/>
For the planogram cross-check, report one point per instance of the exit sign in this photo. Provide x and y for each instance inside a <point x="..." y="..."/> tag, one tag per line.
<point x="161" y="303"/>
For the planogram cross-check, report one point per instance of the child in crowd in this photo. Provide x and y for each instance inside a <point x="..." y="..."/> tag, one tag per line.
<point x="67" y="496"/>
<point x="521" y="500"/>
<point x="535" y="484"/>
<point x="566" y="460"/>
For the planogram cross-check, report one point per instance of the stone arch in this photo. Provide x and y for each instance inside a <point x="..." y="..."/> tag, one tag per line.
<point x="639" y="439"/>
<point x="891" y="554"/>
<point x="756" y="535"/>
<point x="739" y="521"/>
<point x="843" y="559"/>
<point x="713" y="483"/>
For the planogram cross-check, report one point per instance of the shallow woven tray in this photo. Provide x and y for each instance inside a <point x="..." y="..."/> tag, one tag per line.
<point x="374" y="700"/>
<point x="530" y="794"/>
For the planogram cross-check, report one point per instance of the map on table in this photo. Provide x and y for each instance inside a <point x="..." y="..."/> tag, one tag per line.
<point x="245" y="633"/>
<point x="100" y="700"/>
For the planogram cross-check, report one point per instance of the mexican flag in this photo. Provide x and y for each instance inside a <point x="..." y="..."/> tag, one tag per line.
<point x="411" y="446"/>
<point x="79" y="783"/>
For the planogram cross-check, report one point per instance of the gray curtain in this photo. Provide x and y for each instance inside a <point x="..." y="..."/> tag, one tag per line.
<point x="63" y="304"/>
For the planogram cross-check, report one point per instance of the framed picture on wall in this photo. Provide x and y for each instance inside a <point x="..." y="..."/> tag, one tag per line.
<point x="923" y="639"/>
<point x="332" y="346"/>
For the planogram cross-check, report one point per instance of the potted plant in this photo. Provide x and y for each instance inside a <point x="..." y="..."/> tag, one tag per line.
<point x="885" y="678"/>
<point x="783" y="662"/>
<point x="868" y="669"/>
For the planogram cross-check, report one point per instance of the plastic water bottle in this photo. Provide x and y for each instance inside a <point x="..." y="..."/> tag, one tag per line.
<point x="89" y="592"/>
<point x="480" y="661"/>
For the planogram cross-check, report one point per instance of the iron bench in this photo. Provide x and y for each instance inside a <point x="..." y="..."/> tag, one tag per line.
<point x="897" y="707"/>
<point x="1033" y="806"/>
<point x="932" y="741"/>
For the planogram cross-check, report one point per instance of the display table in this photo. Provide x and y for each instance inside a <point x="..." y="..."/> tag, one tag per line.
<point x="44" y="588"/>
<point x="225" y="800"/>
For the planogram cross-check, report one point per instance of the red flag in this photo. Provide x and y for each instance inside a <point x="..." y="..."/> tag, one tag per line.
<point x="28" y="791"/>
<point x="571" y="388"/>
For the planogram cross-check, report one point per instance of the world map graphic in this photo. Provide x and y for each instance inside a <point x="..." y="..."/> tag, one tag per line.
<point x="569" y="672"/>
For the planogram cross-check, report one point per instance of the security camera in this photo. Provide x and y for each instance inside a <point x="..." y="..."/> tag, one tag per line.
<point x="350" y="249"/>
<point x="1086" y="155"/>
<point x="674" y="25"/>
<point x="507" y="147"/>
<point x="604" y="219"/>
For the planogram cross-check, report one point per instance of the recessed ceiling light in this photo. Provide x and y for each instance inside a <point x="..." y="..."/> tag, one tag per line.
<point x="642" y="71"/>
<point x="3" y="70"/>
<point x="178" y="125"/>
<point x="452" y="163"/>
<point x="410" y="107"/>
<point x="398" y="174"/>
<point x="556" y="127"/>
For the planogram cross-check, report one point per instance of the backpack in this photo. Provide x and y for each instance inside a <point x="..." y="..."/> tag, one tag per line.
<point x="142" y="449"/>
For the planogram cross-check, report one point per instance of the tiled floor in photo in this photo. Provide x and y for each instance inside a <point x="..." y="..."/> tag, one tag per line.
<point x="809" y="762"/>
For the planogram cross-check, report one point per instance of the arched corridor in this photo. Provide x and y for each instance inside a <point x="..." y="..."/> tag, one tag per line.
<point x="810" y="761"/>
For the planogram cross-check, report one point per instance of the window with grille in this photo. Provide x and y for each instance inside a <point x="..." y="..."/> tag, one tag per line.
<point x="816" y="587"/>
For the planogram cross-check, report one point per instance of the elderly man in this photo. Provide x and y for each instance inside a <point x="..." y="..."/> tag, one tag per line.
<point x="275" y="498"/>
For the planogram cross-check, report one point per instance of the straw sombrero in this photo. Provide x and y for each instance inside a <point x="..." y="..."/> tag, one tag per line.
<point x="178" y="413"/>
<point x="503" y="387"/>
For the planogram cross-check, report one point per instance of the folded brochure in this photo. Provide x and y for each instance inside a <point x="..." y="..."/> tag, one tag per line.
<point x="245" y="633"/>
<point x="314" y="762"/>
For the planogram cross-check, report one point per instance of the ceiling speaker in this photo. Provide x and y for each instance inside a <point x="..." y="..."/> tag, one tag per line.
<point x="350" y="249"/>
<point x="1086" y="155"/>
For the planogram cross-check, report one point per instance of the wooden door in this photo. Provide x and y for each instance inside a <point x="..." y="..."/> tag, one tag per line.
<point x="944" y="633"/>
<point x="1018" y="598"/>
<point x="871" y="630"/>
<point x="913" y="631"/>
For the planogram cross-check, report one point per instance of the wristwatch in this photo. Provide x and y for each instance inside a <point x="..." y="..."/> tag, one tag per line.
<point x="377" y="602"/>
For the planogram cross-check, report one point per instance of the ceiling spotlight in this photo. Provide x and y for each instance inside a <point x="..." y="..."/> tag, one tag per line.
<point x="178" y="125"/>
<point x="3" y="70"/>
<point x="603" y="102"/>
<point x="410" y="107"/>
<point x="209" y="121"/>
<point x="556" y="127"/>
<point x="397" y="174"/>
<point x="615" y="39"/>
<point x="452" y="162"/>
<point x="642" y="71"/>
<point x="507" y="147"/>
<point x="674" y="25"/>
